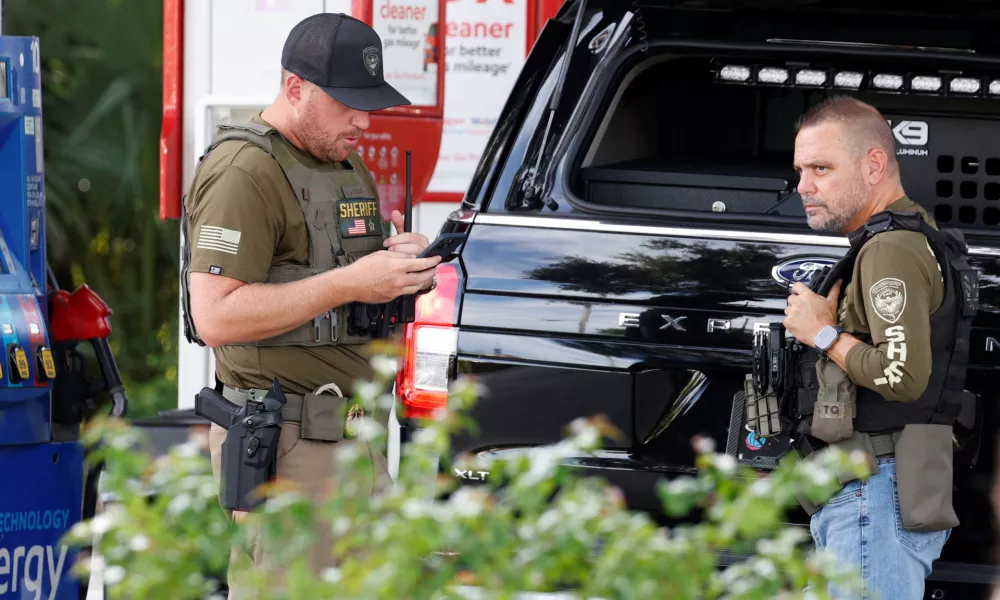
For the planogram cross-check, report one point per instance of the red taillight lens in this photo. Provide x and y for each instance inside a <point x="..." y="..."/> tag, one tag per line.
<point x="430" y="343"/>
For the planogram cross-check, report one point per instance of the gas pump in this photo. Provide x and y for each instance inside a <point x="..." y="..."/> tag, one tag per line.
<point x="45" y="389"/>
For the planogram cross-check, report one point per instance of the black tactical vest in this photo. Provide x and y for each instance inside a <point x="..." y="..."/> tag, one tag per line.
<point x="945" y="399"/>
<point x="325" y="197"/>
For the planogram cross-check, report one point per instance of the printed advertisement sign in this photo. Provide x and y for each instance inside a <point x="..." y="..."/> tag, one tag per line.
<point x="34" y="516"/>
<point x="383" y="149"/>
<point x="408" y="29"/>
<point x="485" y="49"/>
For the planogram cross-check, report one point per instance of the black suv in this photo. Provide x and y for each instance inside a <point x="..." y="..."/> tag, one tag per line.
<point x="635" y="218"/>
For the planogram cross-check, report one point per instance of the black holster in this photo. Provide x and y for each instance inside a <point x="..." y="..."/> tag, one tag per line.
<point x="250" y="449"/>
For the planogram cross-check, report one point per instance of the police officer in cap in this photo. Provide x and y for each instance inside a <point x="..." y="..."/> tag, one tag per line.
<point x="888" y="336"/>
<point x="287" y="256"/>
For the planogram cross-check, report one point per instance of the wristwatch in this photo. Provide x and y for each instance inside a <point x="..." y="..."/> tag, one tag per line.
<point x="826" y="337"/>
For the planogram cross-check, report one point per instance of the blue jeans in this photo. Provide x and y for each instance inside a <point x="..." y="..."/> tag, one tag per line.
<point x="861" y="526"/>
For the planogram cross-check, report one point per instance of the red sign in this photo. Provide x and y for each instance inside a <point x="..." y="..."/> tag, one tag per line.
<point x="383" y="148"/>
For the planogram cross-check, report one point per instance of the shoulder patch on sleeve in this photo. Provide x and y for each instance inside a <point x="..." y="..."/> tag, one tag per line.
<point x="211" y="237"/>
<point x="888" y="297"/>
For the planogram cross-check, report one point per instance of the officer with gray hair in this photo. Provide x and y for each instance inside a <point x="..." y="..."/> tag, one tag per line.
<point x="887" y="349"/>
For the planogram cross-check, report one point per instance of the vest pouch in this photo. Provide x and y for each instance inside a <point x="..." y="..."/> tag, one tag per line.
<point x="355" y="248"/>
<point x="924" y="470"/>
<point x="359" y="322"/>
<point x="323" y="417"/>
<point x="836" y="402"/>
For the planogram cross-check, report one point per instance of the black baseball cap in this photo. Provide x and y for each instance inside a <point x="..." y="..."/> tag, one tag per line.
<point x="343" y="56"/>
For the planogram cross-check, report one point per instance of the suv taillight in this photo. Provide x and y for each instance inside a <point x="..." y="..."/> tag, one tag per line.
<point x="430" y="343"/>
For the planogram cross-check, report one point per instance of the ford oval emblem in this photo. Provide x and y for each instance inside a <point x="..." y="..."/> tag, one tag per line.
<point x="800" y="269"/>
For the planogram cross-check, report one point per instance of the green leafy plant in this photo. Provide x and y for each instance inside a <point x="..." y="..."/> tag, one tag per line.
<point x="534" y="526"/>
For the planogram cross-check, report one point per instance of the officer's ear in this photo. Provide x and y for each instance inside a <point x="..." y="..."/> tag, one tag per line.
<point x="876" y="165"/>
<point x="294" y="89"/>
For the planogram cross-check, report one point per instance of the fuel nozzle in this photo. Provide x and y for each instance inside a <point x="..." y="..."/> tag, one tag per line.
<point x="19" y="370"/>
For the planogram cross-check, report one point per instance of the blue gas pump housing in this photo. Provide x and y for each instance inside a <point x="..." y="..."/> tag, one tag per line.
<point x="41" y="480"/>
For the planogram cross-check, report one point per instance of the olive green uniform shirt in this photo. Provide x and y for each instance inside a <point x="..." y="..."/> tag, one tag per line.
<point x="896" y="285"/>
<point x="243" y="216"/>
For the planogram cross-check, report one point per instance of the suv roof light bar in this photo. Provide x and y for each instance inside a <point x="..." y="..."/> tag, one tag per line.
<point x="880" y="81"/>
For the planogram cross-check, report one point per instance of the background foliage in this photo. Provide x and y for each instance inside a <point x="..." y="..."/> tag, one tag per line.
<point x="102" y="98"/>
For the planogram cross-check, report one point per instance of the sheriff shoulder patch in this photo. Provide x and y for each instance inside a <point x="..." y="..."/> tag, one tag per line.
<point x="358" y="218"/>
<point x="888" y="298"/>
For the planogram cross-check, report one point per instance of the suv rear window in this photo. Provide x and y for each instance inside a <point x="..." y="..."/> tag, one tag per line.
<point x="671" y="135"/>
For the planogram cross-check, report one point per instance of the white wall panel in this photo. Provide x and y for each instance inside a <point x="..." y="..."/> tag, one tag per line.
<point x="247" y="39"/>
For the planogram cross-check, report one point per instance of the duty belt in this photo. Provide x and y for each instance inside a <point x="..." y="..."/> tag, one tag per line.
<point x="291" y="411"/>
<point x="884" y="444"/>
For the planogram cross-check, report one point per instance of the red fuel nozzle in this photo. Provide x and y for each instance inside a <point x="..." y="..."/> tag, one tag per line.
<point x="79" y="316"/>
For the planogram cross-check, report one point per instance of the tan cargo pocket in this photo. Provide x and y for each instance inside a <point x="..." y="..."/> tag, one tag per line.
<point x="924" y="466"/>
<point x="323" y="417"/>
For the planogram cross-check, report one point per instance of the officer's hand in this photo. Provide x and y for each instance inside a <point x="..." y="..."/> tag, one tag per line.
<point x="383" y="276"/>
<point x="408" y="243"/>
<point x="808" y="312"/>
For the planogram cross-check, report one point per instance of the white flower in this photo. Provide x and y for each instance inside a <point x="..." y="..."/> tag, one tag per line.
<point x="101" y="523"/>
<point x="413" y="508"/>
<point x="368" y="390"/>
<point x="468" y="502"/>
<point x="682" y="486"/>
<point x="549" y="519"/>
<point x="80" y="530"/>
<point x="818" y="475"/>
<point x="704" y="445"/>
<point x="761" y="488"/>
<point x="424" y="437"/>
<point x="765" y="568"/>
<point x="179" y="504"/>
<point x="588" y="437"/>
<point x="331" y="575"/>
<point x="114" y="574"/>
<point x="123" y="441"/>
<point x="725" y="463"/>
<point x="97" y="565"/>
<point x="139" y="543"/>
<point x="383" y="365"/>
<point x="347" y="453"/>
<point x="207" y="489"/>
<point x="341" y="525"/>
<point x="189" y="449"/>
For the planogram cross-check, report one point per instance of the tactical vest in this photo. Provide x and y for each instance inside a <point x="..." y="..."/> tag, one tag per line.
<point x="945" y="399"/>
<point x="329" y="202"/>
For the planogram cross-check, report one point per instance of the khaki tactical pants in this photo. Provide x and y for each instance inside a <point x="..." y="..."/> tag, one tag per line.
<point x="312" y="467"/>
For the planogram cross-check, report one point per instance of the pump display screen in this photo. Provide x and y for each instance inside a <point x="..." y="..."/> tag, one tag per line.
<point x="4" y="91"/>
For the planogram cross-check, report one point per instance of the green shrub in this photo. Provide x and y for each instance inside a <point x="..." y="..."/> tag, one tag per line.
<point x="534" y="526"/>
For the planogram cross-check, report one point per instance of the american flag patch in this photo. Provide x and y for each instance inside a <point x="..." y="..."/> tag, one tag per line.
<point x="211" y="237"/>
<point x="356" y="227"/>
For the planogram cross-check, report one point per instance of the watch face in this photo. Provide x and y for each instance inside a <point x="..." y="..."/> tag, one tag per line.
<point x="825" y="337"/>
